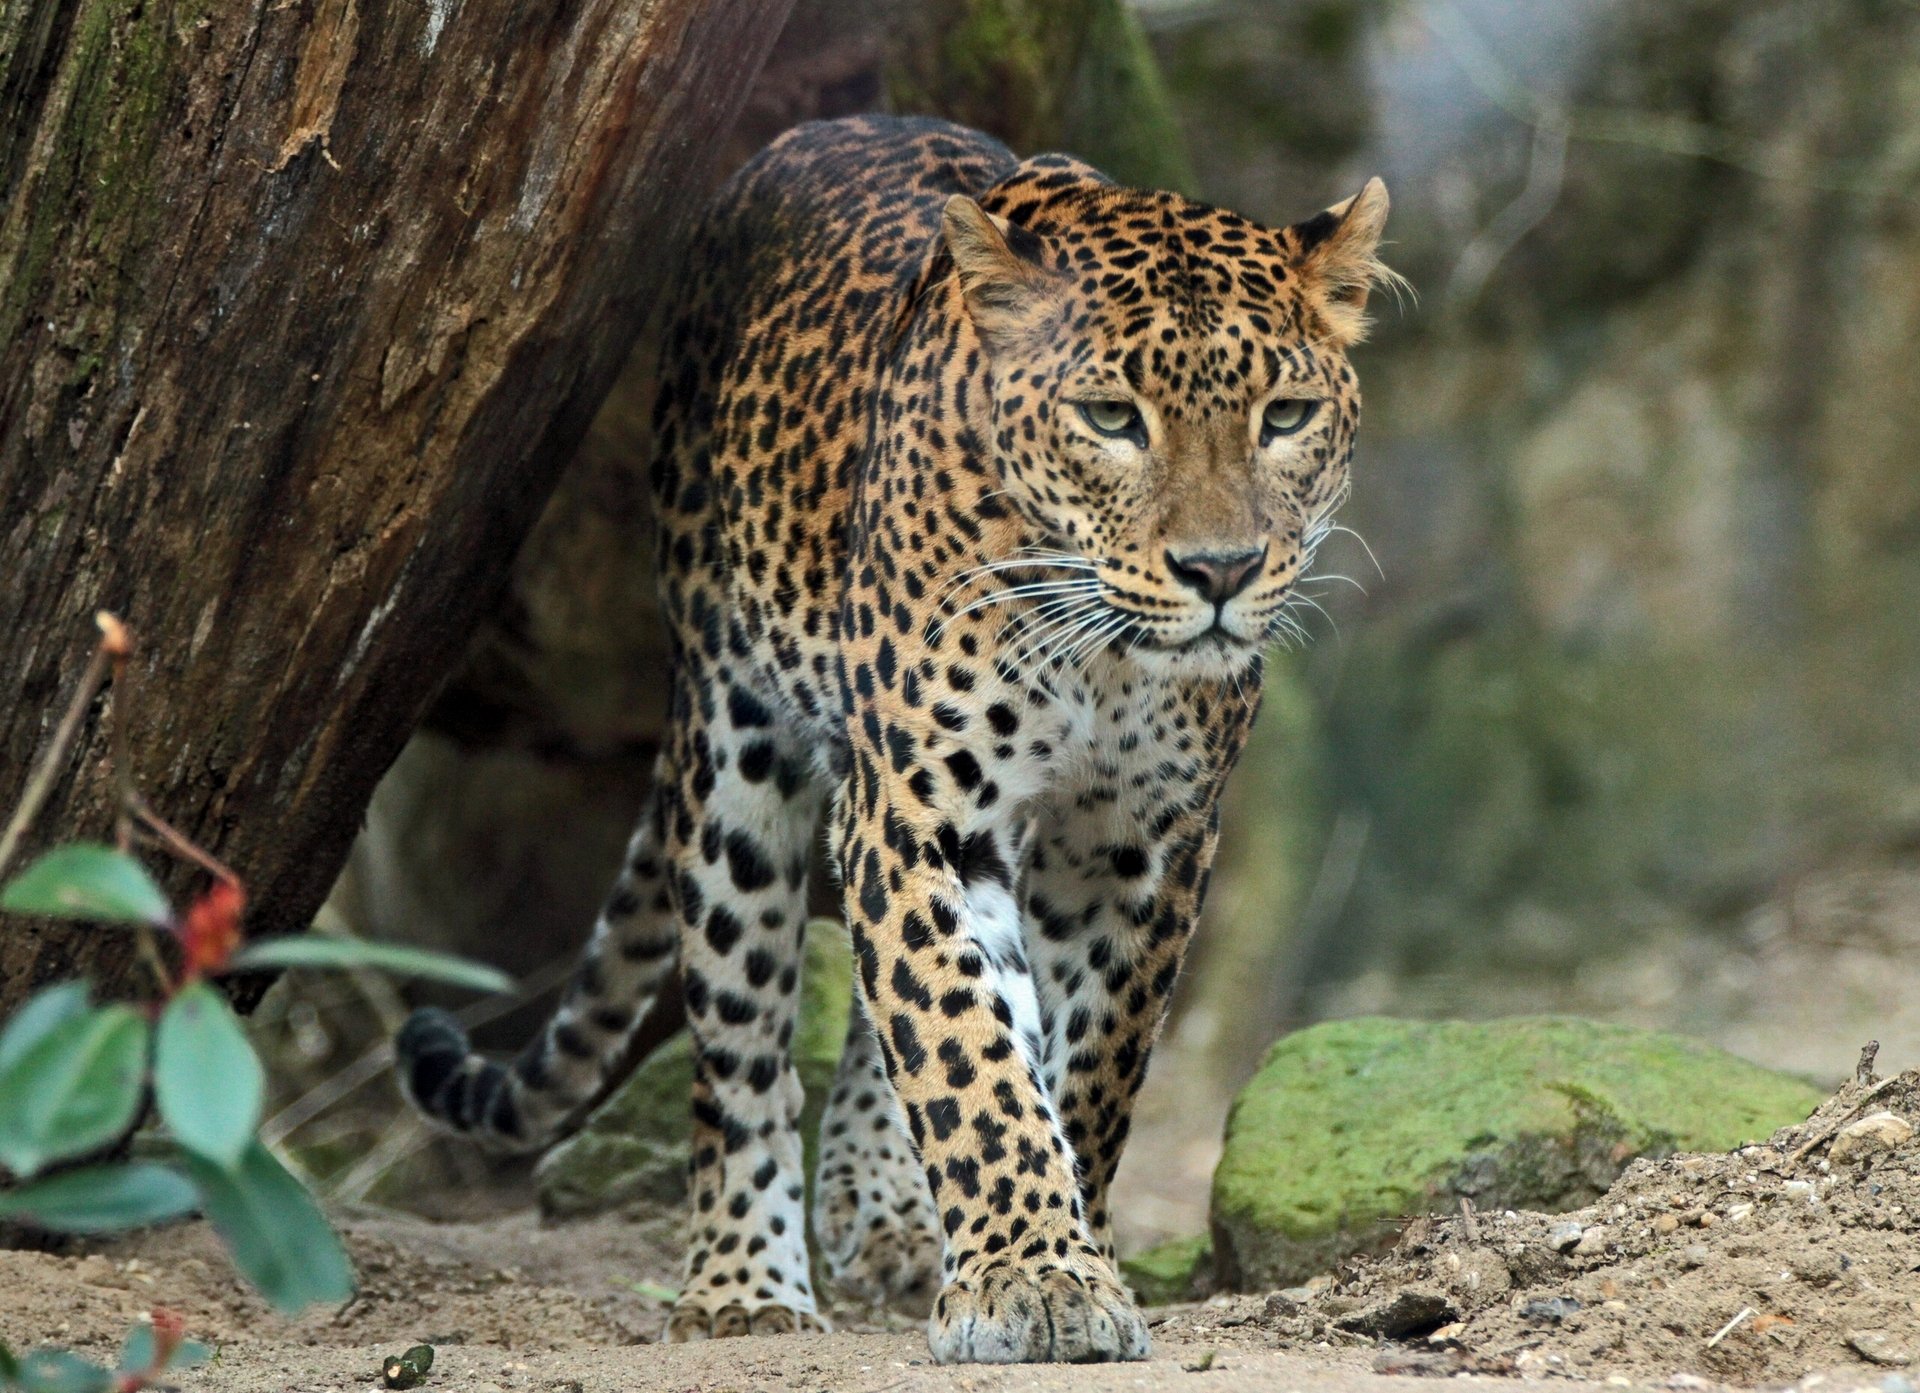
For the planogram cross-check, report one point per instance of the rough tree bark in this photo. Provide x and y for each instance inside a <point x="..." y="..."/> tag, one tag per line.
<point x="302" y="308"/>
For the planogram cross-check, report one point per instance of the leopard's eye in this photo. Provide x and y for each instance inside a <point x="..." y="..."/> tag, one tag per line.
<point x="1116" y="418"/>
<point x="1286" y="416"/>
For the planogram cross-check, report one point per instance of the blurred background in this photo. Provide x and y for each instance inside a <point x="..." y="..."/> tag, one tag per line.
<point x="1620" y="713"/>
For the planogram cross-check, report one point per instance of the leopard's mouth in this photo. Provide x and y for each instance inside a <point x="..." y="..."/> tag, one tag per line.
<point x="1215" y="638"/>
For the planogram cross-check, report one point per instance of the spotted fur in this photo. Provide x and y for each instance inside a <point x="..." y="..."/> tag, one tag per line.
<point x="974" y="520"/>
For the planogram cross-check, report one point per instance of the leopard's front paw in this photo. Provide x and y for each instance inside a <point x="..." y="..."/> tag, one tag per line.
<point x="708" y="1316"/>
<point x="1010" y="1314"/>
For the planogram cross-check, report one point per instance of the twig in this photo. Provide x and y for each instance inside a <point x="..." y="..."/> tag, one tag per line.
<point x="178" y="842"/>
<point x="1728" y="1328"/>
<point x="117" y="643"/>
<point x="406" y="1136"/>
<point x="1466" y="1217"/>
<point x="1827" y="1132"/>
<point x="1863" y="1071"/>
<point x="42" y="780"/>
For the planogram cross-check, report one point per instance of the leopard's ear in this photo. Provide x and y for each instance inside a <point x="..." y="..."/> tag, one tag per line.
<point x="1000" y="268"/>
<point x="1339" y="251"/>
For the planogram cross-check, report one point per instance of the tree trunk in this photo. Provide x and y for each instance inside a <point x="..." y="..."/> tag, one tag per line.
<point x="302" y="308"/>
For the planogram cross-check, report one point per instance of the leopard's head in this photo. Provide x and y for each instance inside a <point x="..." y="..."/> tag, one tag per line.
<point x="1172" y="409"/>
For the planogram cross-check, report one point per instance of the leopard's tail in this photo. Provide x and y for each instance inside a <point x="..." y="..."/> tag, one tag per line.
<point x="609" y="1014"/>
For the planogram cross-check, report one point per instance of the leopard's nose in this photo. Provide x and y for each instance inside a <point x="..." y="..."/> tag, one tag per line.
<point x="1219" y="576"/>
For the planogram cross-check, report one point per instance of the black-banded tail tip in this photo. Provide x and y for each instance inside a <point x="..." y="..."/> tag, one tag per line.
<point x="429" y="1053"/>
<point x="446" y="1080"/>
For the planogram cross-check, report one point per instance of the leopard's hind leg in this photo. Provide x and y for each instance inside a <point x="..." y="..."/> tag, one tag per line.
<point x="873" y="1214"/>
<point x="740" y="821"/>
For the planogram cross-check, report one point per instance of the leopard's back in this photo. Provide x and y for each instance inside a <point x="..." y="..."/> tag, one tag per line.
<point x="799" y="280"/>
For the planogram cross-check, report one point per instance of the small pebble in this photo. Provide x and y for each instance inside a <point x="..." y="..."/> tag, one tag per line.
<point x="1871" y="1136"/>
<point x="1562" y="1237"/>
<point x="1878" y="1347"/>
<point x="1550" y="1311"/>
<point x="1798" y="1189"/>
<point x="1666" y="1223"/>
<point x="1695" y="1255"/>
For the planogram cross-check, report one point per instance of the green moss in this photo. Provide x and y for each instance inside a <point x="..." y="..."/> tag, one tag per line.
<point x="635" y="1148"/>
<point x="1350" y="1126"/>
<point x="1075" y="75"/>
<point x="1170" y="1271"/>
<point x="93" y="196"/>
<point x="1116" y="112"/>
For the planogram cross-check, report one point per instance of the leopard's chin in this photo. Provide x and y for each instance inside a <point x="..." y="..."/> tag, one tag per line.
<point x="1214" y="652"/>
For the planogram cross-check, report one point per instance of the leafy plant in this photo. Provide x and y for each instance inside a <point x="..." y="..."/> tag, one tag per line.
<point x="75" y="1074"/>
<point x="153" y="1347"/>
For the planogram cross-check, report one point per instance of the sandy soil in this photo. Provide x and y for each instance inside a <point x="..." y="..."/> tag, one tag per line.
<point x="510" y="1305"/>
<point x="1756" y="1267"/>
<point x="1780" y="1262"/>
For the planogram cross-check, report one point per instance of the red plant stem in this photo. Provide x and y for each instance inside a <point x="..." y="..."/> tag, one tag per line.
<point x="178" y="842"/>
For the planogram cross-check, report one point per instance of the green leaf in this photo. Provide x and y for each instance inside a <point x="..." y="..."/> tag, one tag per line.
<point x="73" y="1090"/>
<point x="87" y="881"/>
<point x="318" y="950"/>
<point x="136" y="1355"/>
<point x="420" y="1356"/>
<point x="9" y="1366"/>
<point x="101" y="1199"/>
<point x="43" y="1011"/>
<point x="56" y="1371"/>
<point x="277" y="1235"/>
<point x="206" y="1077"/>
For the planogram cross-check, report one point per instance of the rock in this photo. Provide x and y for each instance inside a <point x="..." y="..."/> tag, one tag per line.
<point x="1550" y="1310"/>
<point x="1405" y="1315"/>
<point x="1873" y="1135"/>
<point x="1592" y="1244"/>
<point x="1350" y="1126"/>
<point x="634" y="1148"/>
<point x="1169" y="1272"/>
<point x="1563" y="1238"/>
<point x="1878" y="1347"/>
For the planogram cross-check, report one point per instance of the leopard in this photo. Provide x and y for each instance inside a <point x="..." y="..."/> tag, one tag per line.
<point x="982" y="488"/>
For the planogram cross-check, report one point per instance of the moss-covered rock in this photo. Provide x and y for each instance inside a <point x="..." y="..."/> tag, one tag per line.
<point x="1176" y="1270"/>
<point x="1350" y="1127"/>
<point x="634" y="1148"/>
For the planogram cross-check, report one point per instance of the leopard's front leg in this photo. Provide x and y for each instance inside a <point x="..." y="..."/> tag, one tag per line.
<point x="928" y="878"/>
<point x="1112" y="902"/>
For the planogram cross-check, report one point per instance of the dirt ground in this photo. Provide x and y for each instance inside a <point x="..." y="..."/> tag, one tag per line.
<point x="1793" y="1262"/>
